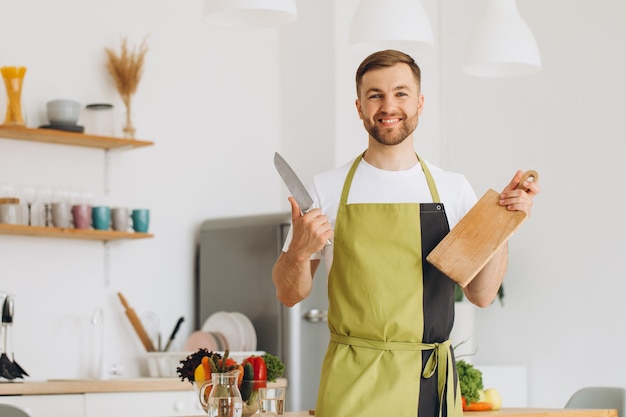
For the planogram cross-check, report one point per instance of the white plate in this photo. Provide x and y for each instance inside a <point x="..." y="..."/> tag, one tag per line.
<point x="228" y="325"/>
<point x="200" y="339"/>
<point x="250" y="332"/>
<point x="243" y="332"/>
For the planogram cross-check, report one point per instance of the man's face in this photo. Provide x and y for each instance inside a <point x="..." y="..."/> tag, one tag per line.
<point x="390" y="103"/>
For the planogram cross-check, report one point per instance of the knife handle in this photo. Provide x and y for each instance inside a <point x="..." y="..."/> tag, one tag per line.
<point x="173" y="335"/>
<point x="303" y="212"/>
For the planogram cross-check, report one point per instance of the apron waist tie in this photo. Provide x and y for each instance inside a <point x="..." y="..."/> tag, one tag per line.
<point x="439" y="361"/>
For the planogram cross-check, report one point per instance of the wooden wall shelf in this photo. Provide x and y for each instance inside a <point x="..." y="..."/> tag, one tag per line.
<point x="56" y="232"/>
<point x="69" y="138"/>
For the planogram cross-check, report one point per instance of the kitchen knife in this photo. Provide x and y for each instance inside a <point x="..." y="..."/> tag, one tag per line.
<point x="293" y="183"/>
<point x="173" y="335"/>
<point x="295" y="186"/>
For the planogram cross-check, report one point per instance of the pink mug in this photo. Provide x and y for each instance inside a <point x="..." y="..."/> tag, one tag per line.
<point x="81" y="214"/>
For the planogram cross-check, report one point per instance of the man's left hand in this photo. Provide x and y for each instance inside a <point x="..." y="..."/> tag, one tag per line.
<point x="520" y="199"/>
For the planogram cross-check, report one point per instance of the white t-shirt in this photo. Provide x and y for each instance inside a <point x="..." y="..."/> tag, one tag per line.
<point x="374" y="185"/>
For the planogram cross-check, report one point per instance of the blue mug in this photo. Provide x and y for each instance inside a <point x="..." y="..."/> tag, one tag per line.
<point x="141" y="220"/>
<point x="101" y="217"/>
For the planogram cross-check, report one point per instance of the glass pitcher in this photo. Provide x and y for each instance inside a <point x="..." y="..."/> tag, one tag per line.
<point x="224" y="398"/>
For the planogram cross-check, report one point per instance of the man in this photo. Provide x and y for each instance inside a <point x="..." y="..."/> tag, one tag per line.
<point x="390" y="312"/>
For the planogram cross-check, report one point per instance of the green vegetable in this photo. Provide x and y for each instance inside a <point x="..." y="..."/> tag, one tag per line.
<point x="275" y="368"/>
<point x="247" y="383"/>
<point x="248" y="372"/>
<point x="471" y="381"/>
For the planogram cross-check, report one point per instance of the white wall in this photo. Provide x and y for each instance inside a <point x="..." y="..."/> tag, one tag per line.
<point x="218" y="104"/>
<point x="209" y="100"/>
<point x="563" y="309"/>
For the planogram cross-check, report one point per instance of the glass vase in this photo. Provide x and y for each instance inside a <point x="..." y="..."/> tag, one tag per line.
<point x="129" y="129"/>
<point x="13" y="79"/>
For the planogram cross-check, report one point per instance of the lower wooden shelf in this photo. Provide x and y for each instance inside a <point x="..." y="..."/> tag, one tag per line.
<point x="56" y="232"/>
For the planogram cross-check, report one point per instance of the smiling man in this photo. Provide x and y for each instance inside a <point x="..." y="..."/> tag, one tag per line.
<point x="390" y="312"/>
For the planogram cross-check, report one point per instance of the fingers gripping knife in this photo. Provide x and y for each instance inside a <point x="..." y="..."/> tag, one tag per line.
<point x="295" y="186"/>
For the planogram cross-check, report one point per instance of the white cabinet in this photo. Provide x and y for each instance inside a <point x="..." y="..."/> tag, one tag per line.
<point x="48" y="405"/>
<point x="510" y="380"/>
<point x="142" y="404"/>
<point x="114" y="404"/>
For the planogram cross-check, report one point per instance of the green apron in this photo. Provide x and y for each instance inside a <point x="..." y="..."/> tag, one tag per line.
<point x="389" y="314"/>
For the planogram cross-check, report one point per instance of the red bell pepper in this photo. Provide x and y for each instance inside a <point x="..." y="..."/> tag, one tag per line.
<point x="259" y="370"/>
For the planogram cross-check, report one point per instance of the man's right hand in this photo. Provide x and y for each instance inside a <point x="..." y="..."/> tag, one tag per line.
<point x="311" y="231"/>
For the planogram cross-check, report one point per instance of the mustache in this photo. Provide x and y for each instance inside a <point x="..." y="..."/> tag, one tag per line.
<point x="385" y="115"/>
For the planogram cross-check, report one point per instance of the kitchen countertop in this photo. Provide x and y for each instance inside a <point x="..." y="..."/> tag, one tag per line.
<point x="82" y="386"/>
<point x="514" y="412"/>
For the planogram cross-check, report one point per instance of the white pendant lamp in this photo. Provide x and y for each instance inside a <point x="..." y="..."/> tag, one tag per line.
<point x="395" y="24"/>
<point x="503" y="45"/>
<point x="248" y="14"/>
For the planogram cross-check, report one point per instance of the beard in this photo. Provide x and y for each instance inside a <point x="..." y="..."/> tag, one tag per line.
<point x="391" y="136"/>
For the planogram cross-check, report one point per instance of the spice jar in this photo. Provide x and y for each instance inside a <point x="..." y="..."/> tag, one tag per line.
<point x="10" y="211"/>
<point x="99" y="119"/>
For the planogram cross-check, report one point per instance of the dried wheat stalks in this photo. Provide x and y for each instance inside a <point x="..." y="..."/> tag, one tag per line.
<point x="126" y="70"/>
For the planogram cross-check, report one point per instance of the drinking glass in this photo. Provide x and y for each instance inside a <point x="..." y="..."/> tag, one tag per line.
<point x="272" y="401"/>
<point x="28" y="194"/>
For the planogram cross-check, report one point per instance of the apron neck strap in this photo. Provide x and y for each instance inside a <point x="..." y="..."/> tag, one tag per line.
<point x="431" y="182"/>
<point x="429" y="179"/>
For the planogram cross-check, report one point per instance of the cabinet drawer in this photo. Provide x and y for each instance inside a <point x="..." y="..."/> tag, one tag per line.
<point x="48" y="405"/>
<point x="142" y="404"/>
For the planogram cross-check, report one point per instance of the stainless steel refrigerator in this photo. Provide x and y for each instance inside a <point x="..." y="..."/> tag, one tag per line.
<point x="235" y="260"/>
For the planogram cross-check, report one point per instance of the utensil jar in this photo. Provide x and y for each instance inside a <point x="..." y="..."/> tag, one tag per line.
<point x="224" y="398"/>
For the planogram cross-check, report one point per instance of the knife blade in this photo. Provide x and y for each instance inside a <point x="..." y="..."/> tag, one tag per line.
<point x="293" y="183"/>
<point x="295" y="186"/>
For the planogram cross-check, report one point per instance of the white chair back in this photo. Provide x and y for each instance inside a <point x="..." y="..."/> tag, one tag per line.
<point x="599" y="398"/>
<point x="10" y="410"/>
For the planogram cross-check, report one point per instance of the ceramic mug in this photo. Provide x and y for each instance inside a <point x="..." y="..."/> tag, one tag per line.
<point x="101" y="217"/>
<point x="120" y="219"/>
<point x="141" y="220"/>
<point x="61" y="215"/>
<point x="10" y="213"/>
<point x="81" y="214"/>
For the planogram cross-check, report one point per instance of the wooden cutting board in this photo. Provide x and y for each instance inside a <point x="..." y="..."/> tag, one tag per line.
<point x="477" y="236"/>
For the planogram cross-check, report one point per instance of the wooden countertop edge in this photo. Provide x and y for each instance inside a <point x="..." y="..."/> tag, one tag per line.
<point x="83" y="386"/>
<point x="512" y="412"/>
<point x="542" y="412"/>
<point x="525" y="412"/>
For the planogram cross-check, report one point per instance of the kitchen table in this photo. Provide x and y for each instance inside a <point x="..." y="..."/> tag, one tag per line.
<point x="512" y="412"/>
<point x="517" y="412"/>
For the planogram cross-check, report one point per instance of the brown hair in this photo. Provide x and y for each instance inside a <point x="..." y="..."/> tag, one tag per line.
<point x="384" y="59"/>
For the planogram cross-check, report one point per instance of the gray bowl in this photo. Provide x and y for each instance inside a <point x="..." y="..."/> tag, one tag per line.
<point x="63" y="112"/>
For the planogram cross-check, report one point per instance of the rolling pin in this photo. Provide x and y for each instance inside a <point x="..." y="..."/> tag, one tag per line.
<point x="134" y="320"/>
